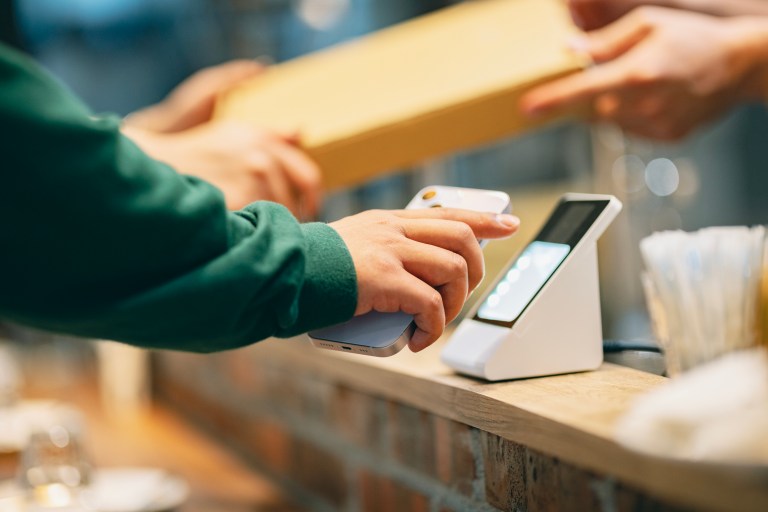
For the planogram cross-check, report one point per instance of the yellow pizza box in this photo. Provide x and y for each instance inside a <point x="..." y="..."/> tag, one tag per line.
<point x="443" y="82"/>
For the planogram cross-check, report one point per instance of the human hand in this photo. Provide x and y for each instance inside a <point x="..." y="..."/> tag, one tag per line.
<point x="592" y="14"/>
<point x="422" y="262"/>
<point x="191" y="102"/>
<point x="246" y="163"/>
<point x="655" y="78"/>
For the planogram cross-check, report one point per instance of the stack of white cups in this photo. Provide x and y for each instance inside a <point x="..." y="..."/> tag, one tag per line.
<point x="703" y="292"/>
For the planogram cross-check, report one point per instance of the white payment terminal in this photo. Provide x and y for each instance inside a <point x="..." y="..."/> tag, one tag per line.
<point x="542" y="314"/>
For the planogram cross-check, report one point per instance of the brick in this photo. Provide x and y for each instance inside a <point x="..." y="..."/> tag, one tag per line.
<point x="375" y="494"/>
<point x="381" y="494"/>
<point x="504" y="464"/>
<point x="212" y="413"/>
<point x="283" y="390"/>
<point x="412" y="434"/>
<point x="242" y="376"/>
<point x="630" y="500"/>
<point x="409" y="500"/>
<point x="316" y="395"/>
<point x="542" y="482"/>
<point x="269" y="442"/>
<point x="454" y="460"/>
<point x="578" y="489"/>
<point x="320" y="472"/>
<point x="359" y="418"/>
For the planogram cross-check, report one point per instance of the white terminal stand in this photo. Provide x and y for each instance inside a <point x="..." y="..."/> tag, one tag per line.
<point x="558" y="332"/>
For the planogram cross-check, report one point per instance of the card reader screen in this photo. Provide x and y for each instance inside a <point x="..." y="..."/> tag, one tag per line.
<point x="523" y="280"/>
<point x="563" y="231"/>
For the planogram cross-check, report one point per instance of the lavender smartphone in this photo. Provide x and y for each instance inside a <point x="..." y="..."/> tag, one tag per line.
<point x="385" y="334"/>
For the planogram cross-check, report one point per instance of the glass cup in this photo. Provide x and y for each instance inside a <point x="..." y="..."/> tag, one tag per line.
<point x="54" y="468"/>
<point x="11" y="439"/>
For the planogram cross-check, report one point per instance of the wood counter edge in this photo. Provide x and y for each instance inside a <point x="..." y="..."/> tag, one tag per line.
<point x="570" y="417"/>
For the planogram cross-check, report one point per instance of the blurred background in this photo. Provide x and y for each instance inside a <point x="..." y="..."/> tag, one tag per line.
<point x="120" y="55"/>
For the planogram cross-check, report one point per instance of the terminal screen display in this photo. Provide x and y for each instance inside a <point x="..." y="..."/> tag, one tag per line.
<point x="529" y="272"/>
<point x="523" y="279"/>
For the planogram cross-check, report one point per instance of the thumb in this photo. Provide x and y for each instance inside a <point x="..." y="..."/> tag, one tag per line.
<point x="615" y="39"/>
<point x="576" y="88"/>
<point x="225" y="76"/>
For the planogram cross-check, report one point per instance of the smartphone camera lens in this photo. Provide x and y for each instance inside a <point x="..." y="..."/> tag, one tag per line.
<point x="429" y="194"/>
<point x="436" y="205"/>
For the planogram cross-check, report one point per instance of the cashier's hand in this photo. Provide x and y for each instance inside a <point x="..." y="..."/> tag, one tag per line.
<point x="191" y="102"/>
<point x="660" y="73"/>
<point x="592" y="14"/>
<point x="248" y="164"/>
<point x="422" y="262"/>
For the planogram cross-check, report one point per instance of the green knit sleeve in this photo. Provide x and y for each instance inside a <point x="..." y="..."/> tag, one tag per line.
<point x="99" y="240"/>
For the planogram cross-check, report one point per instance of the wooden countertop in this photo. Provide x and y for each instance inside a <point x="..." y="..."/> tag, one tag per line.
<point x="570" y="417"/>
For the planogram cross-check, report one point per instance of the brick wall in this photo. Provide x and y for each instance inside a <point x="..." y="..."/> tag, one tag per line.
<point x="335" y="448"/>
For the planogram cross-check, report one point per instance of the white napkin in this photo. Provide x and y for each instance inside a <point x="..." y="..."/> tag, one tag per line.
<point x="717" y="411"/>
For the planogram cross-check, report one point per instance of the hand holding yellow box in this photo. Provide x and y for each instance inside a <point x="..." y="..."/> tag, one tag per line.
<point x="446" y="81"/>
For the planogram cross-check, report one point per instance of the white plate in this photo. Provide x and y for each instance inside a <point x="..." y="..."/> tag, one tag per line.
<point x="135" y="490"/>
<point x="116" y="490"/>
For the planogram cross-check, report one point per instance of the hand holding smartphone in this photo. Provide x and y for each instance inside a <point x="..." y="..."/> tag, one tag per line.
<point x="385" y="334"/>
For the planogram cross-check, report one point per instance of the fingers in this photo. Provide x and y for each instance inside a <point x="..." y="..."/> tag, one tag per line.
<point x="456" y="237"/>
<point x="421" y="262"/>
<point x="605" y="45"/>
<point x="444" y="270"/>
<point x="447" y="257"/>
<point x="587" y="14"/>
<point x="592" y="14"/>
<point x="426" y="305"/>
<point x="581" y="87"/>
<point x="273" y="180"/>
<point x="302" y="173"/>
<point x="221" y="77"/>
<point x="484" y="225"/>
<point x="619" y="37"/>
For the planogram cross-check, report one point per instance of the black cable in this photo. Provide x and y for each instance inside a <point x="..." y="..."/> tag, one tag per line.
<point x="615" y="346"/>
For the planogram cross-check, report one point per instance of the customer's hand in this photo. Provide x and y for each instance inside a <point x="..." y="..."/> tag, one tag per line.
<point x="592" y="14"/>
<point x="663" y="72"/>
<point x="246" y="163"/>
<point x="422" y="262"/>
<point x="191" y="102"/>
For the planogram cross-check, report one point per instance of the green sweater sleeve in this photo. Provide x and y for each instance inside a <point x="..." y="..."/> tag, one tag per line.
<point x="99" y="240"/>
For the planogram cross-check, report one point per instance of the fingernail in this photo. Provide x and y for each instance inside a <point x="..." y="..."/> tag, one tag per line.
<point x="508" y="221"/>
<point x="578" y="43"/>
